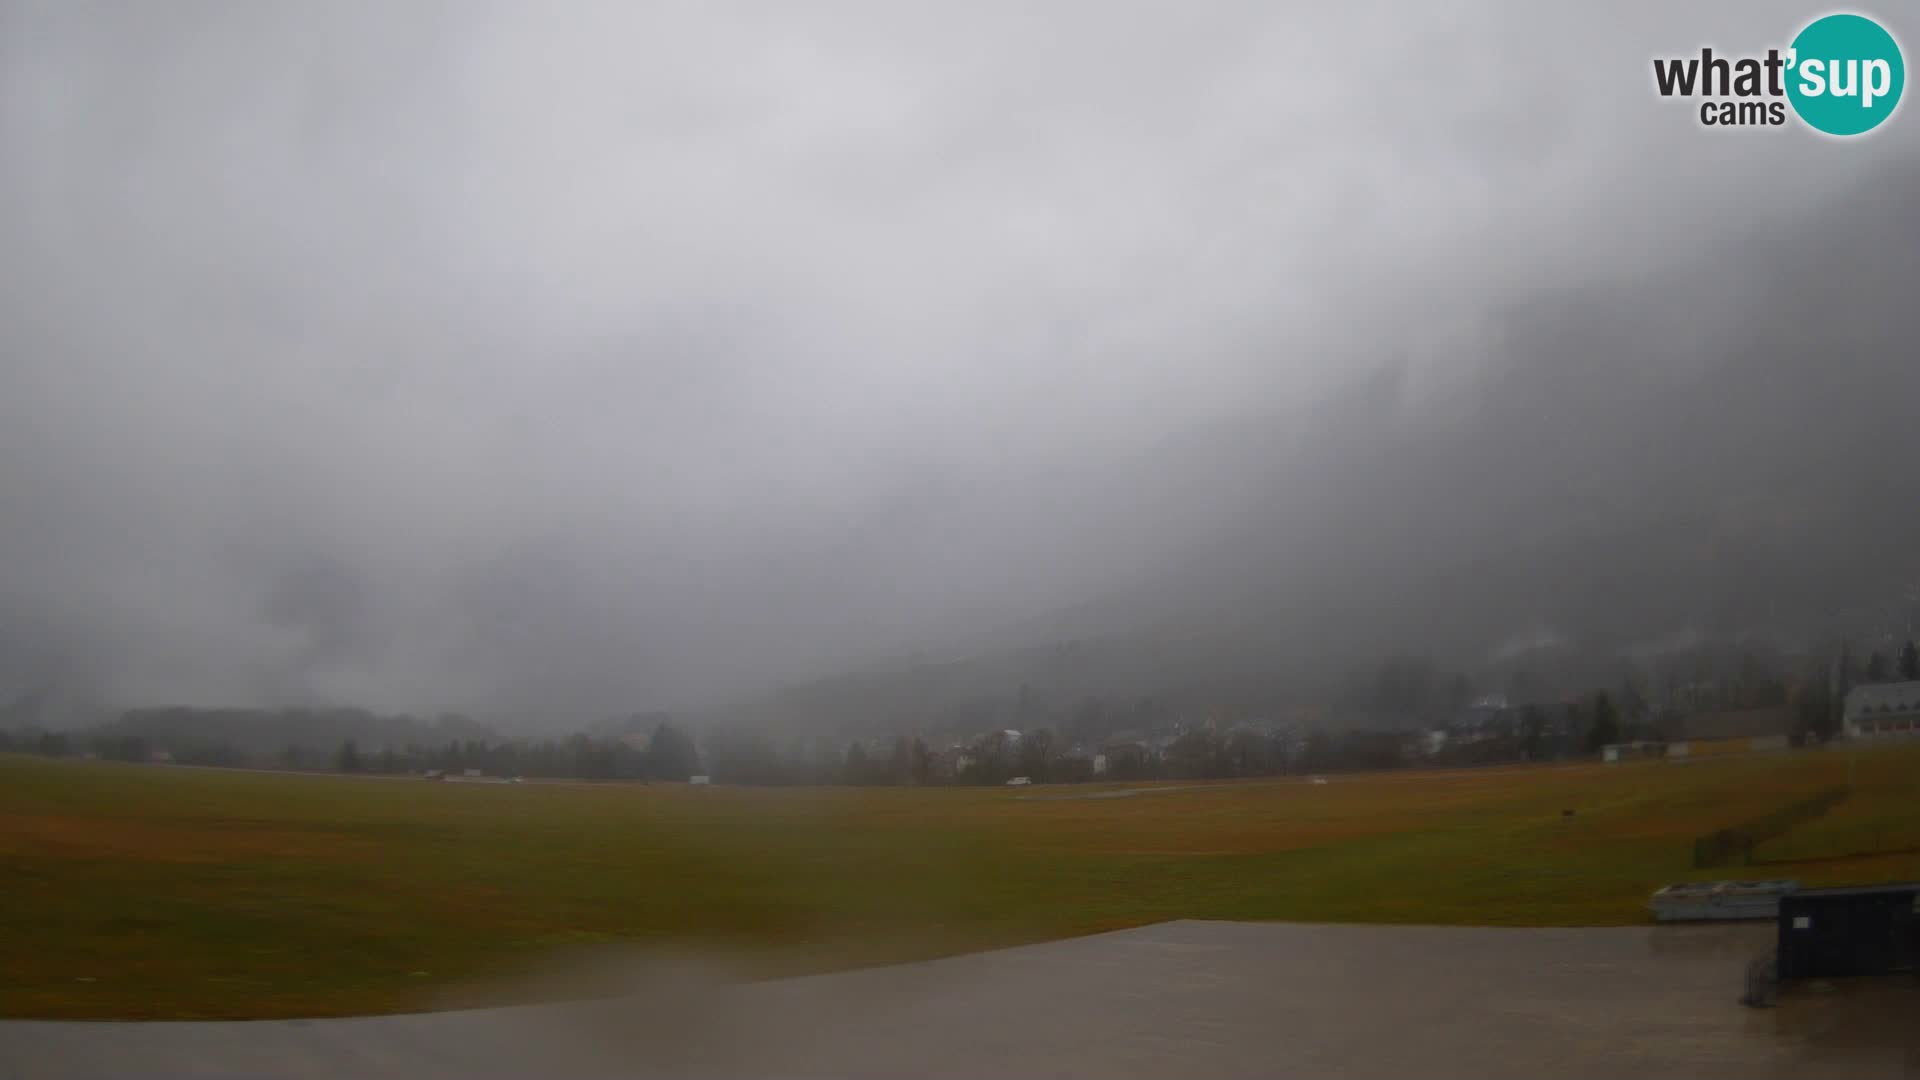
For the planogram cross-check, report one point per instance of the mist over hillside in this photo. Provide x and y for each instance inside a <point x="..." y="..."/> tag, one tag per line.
<point x="549" y="370"/>
<point x="1635" y="473"/>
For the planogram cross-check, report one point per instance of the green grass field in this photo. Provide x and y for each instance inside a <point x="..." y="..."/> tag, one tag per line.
<point x="132" y="891"/>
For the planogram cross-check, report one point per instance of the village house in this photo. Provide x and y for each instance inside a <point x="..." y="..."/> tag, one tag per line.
<point x="1881" y="710"/>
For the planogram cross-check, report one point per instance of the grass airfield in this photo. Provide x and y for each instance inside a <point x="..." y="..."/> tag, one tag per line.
<point x="150" y="892"/>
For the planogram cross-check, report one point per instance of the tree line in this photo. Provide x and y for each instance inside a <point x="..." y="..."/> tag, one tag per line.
<point x="670" y="754"/>
<point x="1385" y="718"/>
<point x="736" y="756"/>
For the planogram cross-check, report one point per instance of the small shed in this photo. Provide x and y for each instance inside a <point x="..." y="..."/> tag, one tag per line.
<point x="1860" y="930"/>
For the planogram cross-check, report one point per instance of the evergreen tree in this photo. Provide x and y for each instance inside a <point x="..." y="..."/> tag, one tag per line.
<point x="1876" y="668"/>
<point x="1606" y="723"/>
<point x="671" y="755"/>
<point x="855" y="769"/>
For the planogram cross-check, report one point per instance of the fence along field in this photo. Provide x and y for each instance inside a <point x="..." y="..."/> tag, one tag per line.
<point x="138" y="891"/>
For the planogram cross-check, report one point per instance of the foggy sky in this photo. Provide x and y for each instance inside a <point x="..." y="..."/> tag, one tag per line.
<point x="574" y="359"/>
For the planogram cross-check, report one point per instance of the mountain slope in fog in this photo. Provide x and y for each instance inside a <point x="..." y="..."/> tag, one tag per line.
<point x="1724" y="449"/>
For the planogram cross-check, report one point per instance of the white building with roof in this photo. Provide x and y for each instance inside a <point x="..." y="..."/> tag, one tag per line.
<point x="1879" y="710"/>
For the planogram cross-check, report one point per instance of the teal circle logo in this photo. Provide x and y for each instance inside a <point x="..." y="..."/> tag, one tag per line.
<point x="1846" y="74"/>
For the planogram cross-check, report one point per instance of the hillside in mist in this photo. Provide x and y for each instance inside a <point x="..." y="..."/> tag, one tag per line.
<point x="545" y="370"/>
<point x="1720" y="452"/>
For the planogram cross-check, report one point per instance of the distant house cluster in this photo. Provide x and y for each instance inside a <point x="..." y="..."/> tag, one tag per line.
<point x="1721" y="731"/>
